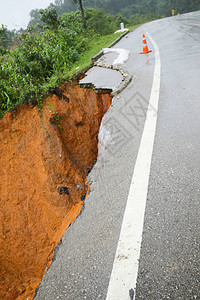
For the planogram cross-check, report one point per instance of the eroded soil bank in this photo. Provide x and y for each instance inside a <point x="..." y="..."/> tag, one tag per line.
<point x="45" y="157"/>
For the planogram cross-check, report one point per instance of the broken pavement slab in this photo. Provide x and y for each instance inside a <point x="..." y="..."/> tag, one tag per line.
<point x="107" y="74"/>
<point x="102" y="78"/>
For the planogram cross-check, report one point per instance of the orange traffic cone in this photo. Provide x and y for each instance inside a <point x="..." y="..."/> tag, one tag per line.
<point x="145" y="48"/>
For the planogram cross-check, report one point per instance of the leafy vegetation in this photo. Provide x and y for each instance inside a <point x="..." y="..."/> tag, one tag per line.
<point x="82" y="11"/>
<point x="46" y="54"/>
<point x="129" y="8"/>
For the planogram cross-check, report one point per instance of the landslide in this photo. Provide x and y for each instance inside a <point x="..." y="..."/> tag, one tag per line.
<point x="46" y="153"/>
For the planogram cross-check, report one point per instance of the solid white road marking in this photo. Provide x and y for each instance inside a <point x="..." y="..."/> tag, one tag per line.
<point x="125" y="268"/>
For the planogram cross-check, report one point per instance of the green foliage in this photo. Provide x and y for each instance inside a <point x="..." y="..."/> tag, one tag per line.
<point x="82" y="11"/>
<point x="128" y="8"/>
<point x="49" y="17"/>
<point x="57" y="120"/>
<point x="5" y="39"/>
<point x="103" y="23"/>
<point x="39" y="61"/>
<point x="46" y="54"/>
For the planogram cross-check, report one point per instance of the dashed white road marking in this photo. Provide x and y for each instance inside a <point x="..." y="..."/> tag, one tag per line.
<point x="125" y="268"/>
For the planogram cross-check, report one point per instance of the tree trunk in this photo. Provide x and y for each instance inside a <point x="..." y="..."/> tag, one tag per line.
<point x="82" y="13"/>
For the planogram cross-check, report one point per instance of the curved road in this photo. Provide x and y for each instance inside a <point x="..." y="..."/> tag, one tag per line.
<point x="168" y="262"/>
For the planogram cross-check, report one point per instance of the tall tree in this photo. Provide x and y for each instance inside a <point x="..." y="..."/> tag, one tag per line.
<point x="49" y="17"/>
<point x="5" y="37"/>
<point x="82" y="11"/>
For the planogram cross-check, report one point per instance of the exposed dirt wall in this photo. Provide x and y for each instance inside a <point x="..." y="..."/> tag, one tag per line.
<point x="41" y="152"/>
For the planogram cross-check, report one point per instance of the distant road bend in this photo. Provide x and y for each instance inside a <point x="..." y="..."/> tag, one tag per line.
<point x="139" y="234"/>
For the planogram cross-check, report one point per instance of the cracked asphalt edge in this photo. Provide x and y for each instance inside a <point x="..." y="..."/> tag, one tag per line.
<point x="127" y="77"/>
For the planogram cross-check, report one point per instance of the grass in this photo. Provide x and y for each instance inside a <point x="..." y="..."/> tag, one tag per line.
<point x="132" y="27"/>
<point x="95" y="46"/>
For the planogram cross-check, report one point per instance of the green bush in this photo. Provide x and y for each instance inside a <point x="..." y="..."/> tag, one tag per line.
<point x="45" y="53"/>
<point x="40" y="59"/>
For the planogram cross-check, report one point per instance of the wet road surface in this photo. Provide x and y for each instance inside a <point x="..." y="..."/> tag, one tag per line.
<point x="169" y="263"/>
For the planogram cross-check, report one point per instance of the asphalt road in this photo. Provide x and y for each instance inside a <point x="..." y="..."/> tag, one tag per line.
<point x="169" y="263"/>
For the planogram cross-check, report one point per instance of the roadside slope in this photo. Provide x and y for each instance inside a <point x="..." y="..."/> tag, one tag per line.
<point x="46" y="154"/>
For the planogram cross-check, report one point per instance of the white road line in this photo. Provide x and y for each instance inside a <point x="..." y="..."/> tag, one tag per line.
<point x="125" y="268"/>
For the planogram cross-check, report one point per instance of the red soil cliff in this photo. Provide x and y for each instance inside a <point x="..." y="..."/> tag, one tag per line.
<point x="41" y="151"/>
